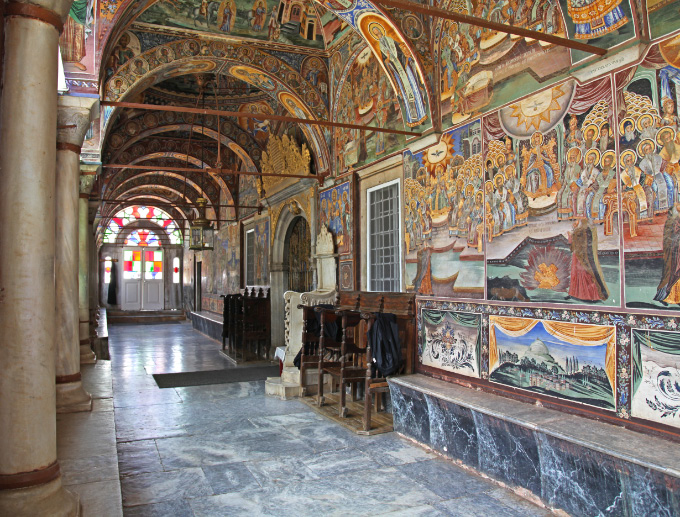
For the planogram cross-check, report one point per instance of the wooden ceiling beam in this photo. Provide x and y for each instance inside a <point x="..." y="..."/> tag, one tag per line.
<point x="214" y="170"/>
<point x="246" y="114"/>
<point x="500" y="27"/>
<point x="170" y="204"/>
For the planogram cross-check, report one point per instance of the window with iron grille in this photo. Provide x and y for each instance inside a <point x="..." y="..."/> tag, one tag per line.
<point x="384" y="245"/>
<point x="250" y="257"/>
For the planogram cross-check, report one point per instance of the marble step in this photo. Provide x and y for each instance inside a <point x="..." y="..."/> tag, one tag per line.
<point x="275" y="387"/>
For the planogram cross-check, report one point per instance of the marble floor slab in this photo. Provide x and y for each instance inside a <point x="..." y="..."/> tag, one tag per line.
<point x="229" y="450"/>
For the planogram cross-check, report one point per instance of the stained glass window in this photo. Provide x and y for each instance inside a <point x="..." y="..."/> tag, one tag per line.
<point x="142" y="238"/>
<point x="175" y="270"/>
<point x="153" y="265"/>
<point x="133" y="213"/>
<point x="132" y="264"/>
<point x="107" y="270"/>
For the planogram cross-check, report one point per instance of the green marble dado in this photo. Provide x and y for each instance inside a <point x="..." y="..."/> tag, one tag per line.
<point x="576" y="465"/>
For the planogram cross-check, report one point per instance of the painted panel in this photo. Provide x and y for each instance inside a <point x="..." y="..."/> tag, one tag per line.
<point x="656" y="376"/>
<point x="271" y="21"/>
<point x="663" y="16"/>
<point x="451" y="341"/>
<point x="247" y="195"/>
<point x="570" y="361"/>
<point x="649" y="149"/>
<point x="347" y="275"/>
<point x="443" y="213"/>
<point x="262" y="252"/>
<point x="335" y="211"/>
<point x="367" y="98"/>
<point x="482" y="69"/>
<point x="550" y="194"/>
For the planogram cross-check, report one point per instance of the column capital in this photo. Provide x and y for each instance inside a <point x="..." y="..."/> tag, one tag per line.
<point x="86" y="183"/>
<point x="73" y="119"/>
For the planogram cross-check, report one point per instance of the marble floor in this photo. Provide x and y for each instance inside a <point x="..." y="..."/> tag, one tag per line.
<point x="230" y="450"/>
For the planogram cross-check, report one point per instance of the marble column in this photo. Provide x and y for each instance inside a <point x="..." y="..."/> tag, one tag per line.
<point x="73" y="117"/>
<point x="88" y="175"/>
<point x="30" y="479"/>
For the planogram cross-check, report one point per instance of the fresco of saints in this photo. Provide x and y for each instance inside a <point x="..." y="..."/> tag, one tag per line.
<point x="596" y="18"/>
<point x="273" y="25"/>
<point x="226" y="15"/>
<point x="402" y="70"/>
<point x="651" y="165"/>
<point x="601" y="187"/>
<point x="587" y="280"/>
<point x="538" y="166"/>
<point x="258" y="14"/>
<point x="566" y="197"/>
<point x="669" y="286"/>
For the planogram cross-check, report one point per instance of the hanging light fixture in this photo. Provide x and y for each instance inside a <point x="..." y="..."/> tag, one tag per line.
<point x="201" y="232"/>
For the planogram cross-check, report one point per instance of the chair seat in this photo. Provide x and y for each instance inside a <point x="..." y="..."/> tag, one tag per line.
<point x="352" y="373"/>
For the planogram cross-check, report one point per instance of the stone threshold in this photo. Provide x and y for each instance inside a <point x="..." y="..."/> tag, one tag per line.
<point x="650" y="452"/>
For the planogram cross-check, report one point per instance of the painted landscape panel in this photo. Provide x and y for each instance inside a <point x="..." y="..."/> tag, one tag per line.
<point x="570" y="361"/>
<point x="656" y="376"/>
<point x="451" y="341"/>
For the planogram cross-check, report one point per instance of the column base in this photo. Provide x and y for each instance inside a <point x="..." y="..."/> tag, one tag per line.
<point x="87" y="356"/>
<point x="72" y="398"/>
<point x="47" y="499"/>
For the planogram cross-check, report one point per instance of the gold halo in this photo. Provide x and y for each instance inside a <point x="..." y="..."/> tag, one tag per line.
<point x="469" y="189"/>
<point x="500" y="160"/>
<point x="499" y="175"/>
<point x="487" y="184"/>
<point x="611" y="153"/>
<point x="625" y="153"/>
<point x="662" y="131"/>
<point x="512" y="168"/>
<point x="643" y="143"/>
<point x="624" y="121"/>
<point x="594" y="128"/>
<point x="596" y="152"/>
<point x="580" y="153"/>
<point x="645" y="116"/>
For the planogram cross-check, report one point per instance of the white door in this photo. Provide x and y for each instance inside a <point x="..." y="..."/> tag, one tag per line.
<point x="131" y="299"/>
<point x="152" y="284"/>
<point x="142" y="279"/>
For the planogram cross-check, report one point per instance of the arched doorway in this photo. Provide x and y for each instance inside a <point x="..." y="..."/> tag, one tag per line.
<point x="297" y="256"/>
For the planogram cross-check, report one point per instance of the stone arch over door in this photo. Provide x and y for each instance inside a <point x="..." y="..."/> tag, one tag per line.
<point x="278" y="268"/>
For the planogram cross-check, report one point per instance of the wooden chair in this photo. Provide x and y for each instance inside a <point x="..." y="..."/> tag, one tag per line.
<point x="344" y="361"/>
<point x="403" y="307"/>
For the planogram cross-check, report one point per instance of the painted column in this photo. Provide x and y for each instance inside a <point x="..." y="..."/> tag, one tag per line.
<point x="88" y="175"/>
<point x="30" y="479"/>
<point x="73" y="116"/>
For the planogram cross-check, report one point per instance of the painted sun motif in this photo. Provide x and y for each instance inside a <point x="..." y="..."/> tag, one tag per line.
<point x="440" y="153"/>
<point x="670" y="50"/>
<point x="534" y="110"/>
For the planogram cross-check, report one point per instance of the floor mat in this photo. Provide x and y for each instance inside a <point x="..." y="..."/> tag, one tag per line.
<point x="184" y="379"/>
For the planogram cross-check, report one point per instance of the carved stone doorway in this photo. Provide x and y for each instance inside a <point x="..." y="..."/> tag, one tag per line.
<point x="297" y="256"/>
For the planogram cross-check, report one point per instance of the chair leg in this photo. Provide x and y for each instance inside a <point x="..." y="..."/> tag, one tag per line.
<point x="367" y="409"/>
<point x="343" y="399"/>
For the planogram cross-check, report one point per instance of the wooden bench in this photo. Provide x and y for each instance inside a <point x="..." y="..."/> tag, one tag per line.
<point x="246" y="333"/>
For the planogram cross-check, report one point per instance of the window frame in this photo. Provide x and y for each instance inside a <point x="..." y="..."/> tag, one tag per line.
<point x="369" y="191"/>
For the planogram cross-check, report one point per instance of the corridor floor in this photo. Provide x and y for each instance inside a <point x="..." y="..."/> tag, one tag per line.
<point x="228" y="449"/>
